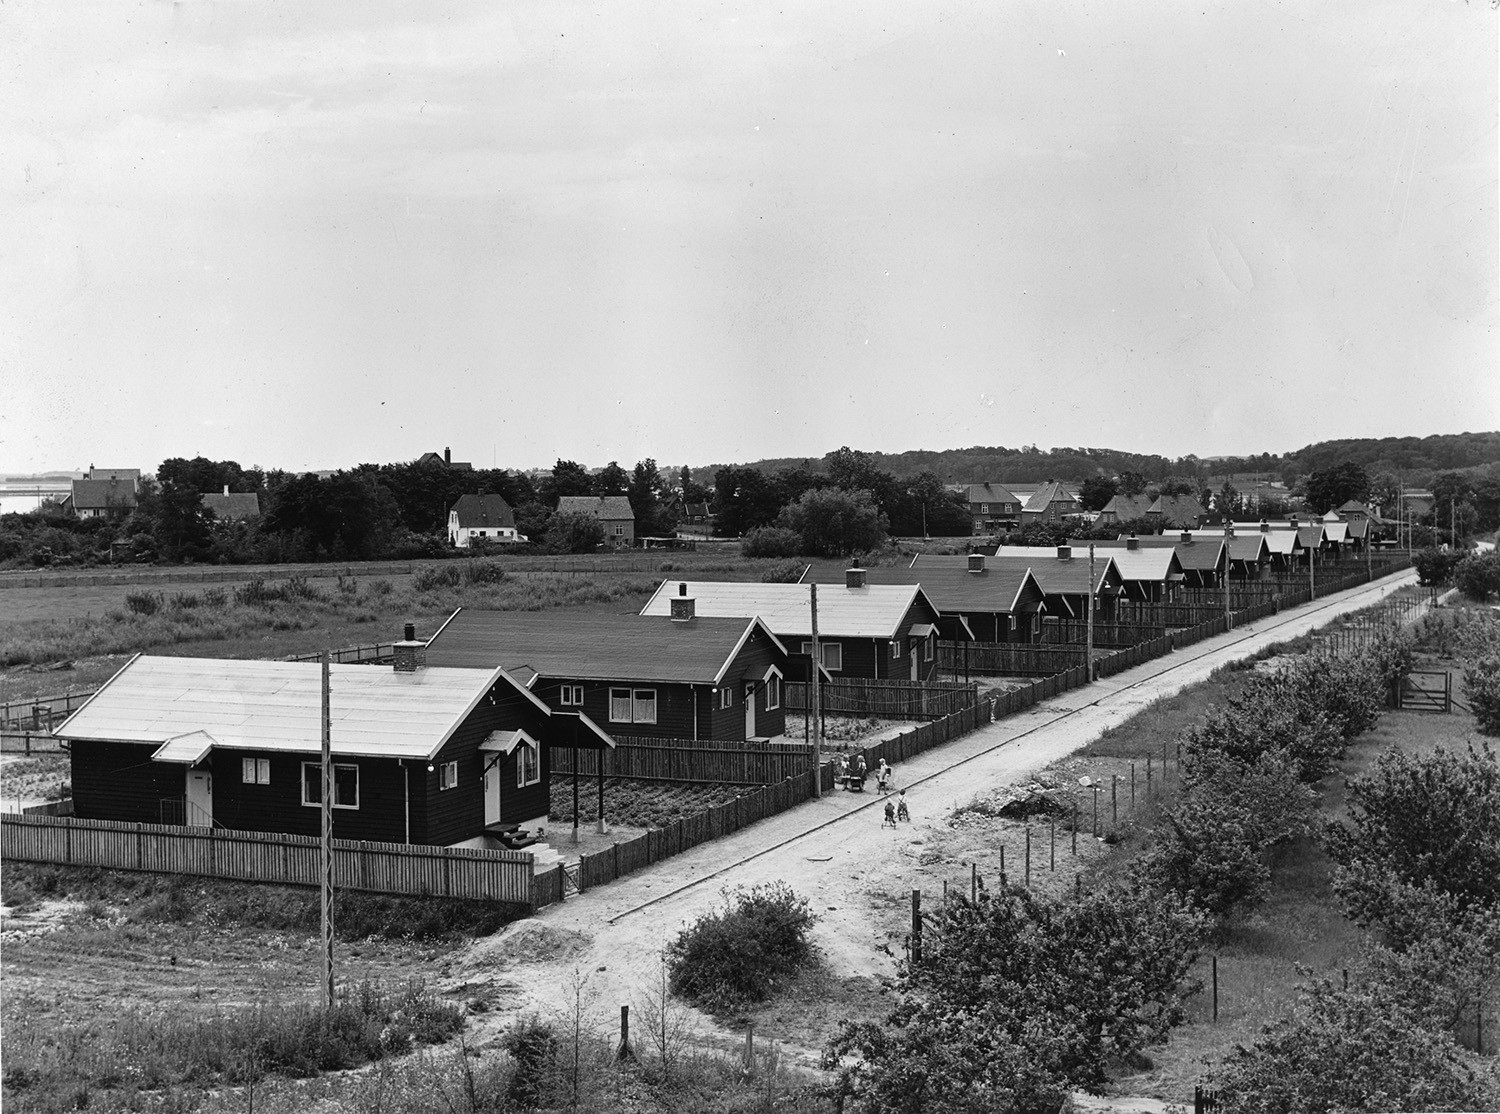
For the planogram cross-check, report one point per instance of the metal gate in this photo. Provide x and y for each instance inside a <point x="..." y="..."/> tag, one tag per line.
<point x="1426" y="691"/>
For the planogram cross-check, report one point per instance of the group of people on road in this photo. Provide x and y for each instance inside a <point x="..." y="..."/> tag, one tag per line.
<point x="852" y="773"/>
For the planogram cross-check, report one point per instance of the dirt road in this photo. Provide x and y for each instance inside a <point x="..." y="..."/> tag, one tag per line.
<point x="834" y="851"/>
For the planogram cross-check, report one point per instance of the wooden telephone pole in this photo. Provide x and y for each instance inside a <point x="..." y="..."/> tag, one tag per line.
<point x="816" y="689"/>
<point x="325" y="848"/>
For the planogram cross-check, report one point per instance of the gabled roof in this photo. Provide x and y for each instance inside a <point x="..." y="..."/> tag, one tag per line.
<point x="998" y="590"/>
<point x="132" y="476"/>
<point x="1284" y="542"/>
<point x="98" y="495"/>
<point x="1198" y="554"/>
<point x="610" y="508"/>
<point x="1128" y="508"/>
<point x="1048" y="493"/>
<point x="875" y="611"/>
<point x="1336" y="532"/>
<point x="596" y="647"/>
<point x="1055" y="576"/>
<point x="1250" y="546"/>
<point x="277" y="706"/>
<point x="697" y="510"/>
<point x="1312" y="535"/>
<point x="1152" y="565"/>
<point x="990" y="493"/>
<point x="483" y="511"/>
<point x="232" y="507"/>
<point x="1179" y="510"/>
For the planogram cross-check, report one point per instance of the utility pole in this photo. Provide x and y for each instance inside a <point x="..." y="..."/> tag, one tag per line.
<point x="1089" y="659"/>
<point x="325" y="847"/>
<point x="816" y="689"/>
<point x="1228" y="535"/>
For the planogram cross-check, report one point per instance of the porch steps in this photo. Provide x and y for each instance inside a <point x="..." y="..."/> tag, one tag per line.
<point x="544" y="857"/>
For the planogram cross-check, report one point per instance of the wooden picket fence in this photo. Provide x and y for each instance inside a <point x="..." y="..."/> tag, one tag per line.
<point x="387" y="868"/>
<point x="736" y="762"/>
<point x="1007" y="659"/>
<point x="1058" y="631"/>
<point x="885" y="699"/>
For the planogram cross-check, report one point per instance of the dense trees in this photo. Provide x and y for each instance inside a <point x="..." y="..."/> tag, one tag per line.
<point x="1333" y="487"/>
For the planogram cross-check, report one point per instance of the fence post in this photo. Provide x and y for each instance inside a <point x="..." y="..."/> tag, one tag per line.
<point x="916" y="927"/>
<point x="624" y="1053"/>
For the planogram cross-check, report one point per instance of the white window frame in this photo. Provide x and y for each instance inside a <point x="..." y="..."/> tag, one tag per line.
<point x="316" y="769"/>
<point x="619" y="531"/>
<point x="895" y="647"/>
<point x="571" y="696"/>
<point x="528" y="759"/>
<point x="633" y="709"/>
<point x="929" y="648"/>
<point x="726" y="697"/>
<point x="255" y="771"/>
<point x="448" y="775"/>
<point x="773" y="691"/>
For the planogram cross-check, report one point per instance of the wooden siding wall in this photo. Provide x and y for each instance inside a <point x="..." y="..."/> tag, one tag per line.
<point x="376" y="867"/>
<point x="674" y="706"/>
<point x="118" y="781"/>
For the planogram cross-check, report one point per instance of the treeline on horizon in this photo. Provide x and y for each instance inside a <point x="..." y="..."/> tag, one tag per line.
<point x="1415" y="459"/>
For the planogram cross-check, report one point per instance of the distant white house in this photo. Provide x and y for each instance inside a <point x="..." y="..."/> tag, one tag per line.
<point x="485" y="517"/>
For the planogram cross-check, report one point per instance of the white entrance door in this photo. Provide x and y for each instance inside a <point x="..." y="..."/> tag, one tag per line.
<point x="492" y="792"/>
<point x="200" y="799"/>
<point x="749" y="709"/>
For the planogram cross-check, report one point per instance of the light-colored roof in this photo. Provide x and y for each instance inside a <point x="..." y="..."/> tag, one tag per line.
<point x="1157" y="565"/>
<point x="875" y="611"/>
<point x="612" y="508"/>
<point x="188" y="749"/>
<point x="1336" y="532"/>
<point x="626" y="648"/>
<point x="1198" y="553"/>
<point x="1248" y="546"/>
<point x="1282" y="541"/>
<point x="277" y="705"/>
<point x="1054" y="575"/>
<point x="951" y="589"/>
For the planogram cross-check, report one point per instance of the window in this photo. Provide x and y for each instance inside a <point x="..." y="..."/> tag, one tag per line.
<point x="929" y="646"/>
<point x="448" y="775"/>
<point x="726" y="697"/>
<point x="255" y="771"/>
<point x="571" y="696"/>
<point x="619" y="531"/>
<point x="528" y="765"/>
<point x="773" y="692"/>
<point x="833" y="654"/>
<point x="345" y="785"/>
<point x="984" y="508"/>
<point x="895" y="647"/>
<point x="632" y="705"/>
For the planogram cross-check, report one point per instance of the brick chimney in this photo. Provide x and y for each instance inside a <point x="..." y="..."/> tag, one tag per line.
<point x="683" y="608"/>
<point x="410" y="654"/>
<point x="1186" y="537"/>
<point x="1265" y="527"/>
<point x="1132" y="542"/>
<point x="854" y="576"/>
<point x="1065" y="553"/>
<point x="447" y="456"/>
<point x="1229" y="529"/>
<point x="976" y="562"/>
<point x="226" y="489"/>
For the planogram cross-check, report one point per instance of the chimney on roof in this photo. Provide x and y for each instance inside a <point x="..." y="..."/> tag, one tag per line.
<point x="1292" y="519"/>
<point x="226" y="489"/>
<point x="1132" y="542"/>
<point x="854" y="576"/>
<point x="1265" y="527"/>
<point x="1186" y="537"/>
<point x="976" y="562"/>
<point x="410" y="654"/>
<point x="1229" y="529"/>
<point x="683" y="608"/>
<point x="447" y="456"/>
<point x="1065" y="553"/>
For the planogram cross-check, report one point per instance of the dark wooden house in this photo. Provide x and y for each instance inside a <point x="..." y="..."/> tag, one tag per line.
<point x="685" y="676"/>
<point x="1062" y="573"/>
<point x="421" y="755"/>
<point x="877" y="631"/>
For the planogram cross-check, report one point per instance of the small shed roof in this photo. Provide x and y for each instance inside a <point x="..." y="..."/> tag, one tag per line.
<point x="1054" y="575"/>
<point x="874" y="611"/>
<point x="277" y="705"/>
<point x="610" y="508"/>
<point x="1154" y="564"/>
<point x="628" y="648"/>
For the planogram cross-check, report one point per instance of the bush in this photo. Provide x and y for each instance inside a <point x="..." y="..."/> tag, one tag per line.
<point x="434" y="577"/>
<point x="1482" y="687"/>
<point x="574" y="533"/>
<point x="1435" y="566"/>
<point x="1478" y="576"/>
<point x="143" y="603"/>
<point x="771" y="541"/>
<point x="533" y="1046"/>
<point x="483" y="572"/>
<point x="783" y="572"/>
<point x="743" y="952"/>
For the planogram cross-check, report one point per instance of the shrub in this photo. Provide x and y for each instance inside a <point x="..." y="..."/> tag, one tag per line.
<point x="483" y="572"/>
<point x="1435" y="566"/>
<point x="835" y="523"/>
<point x="533" y="1046"/>
<point x="741" y="953"/>
<point x="574" y="533"/>
<point x="143" y="603"/>
<point x="1478" y="576"/>
<point x="1482" y="687"/>
<point x="433" y="577"/>
<point x="783" y="572"/>
<point x="771" y="541"/>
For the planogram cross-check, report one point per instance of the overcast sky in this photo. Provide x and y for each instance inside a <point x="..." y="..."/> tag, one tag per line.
<point x="310" y="235"/>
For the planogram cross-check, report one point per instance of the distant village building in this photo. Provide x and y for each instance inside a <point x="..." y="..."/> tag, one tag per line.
<point x="103" y="493"/>
<point x="993" y="508"/>
<point x="446" y="460"/>
<point x="612" y="511"/>
<point x="231" y="506"/>
<point x="487" y="518"/>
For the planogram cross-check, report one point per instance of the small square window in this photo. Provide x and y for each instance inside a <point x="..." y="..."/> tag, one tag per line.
<point x="645" y="705"/>
<point x="345" y="785"/>
<point x="448" y="775"/>
<point x="571" y="696"/>
<point x="255" y="771"/>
